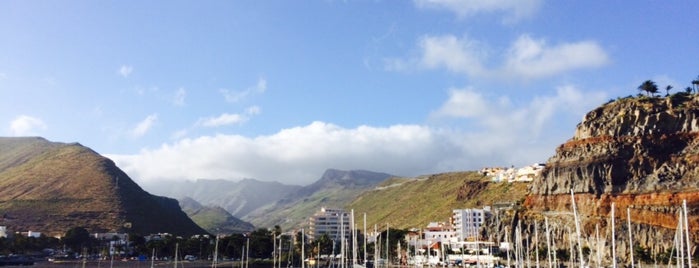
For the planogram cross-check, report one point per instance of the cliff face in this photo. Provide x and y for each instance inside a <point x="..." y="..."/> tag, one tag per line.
<point x="629" y="146"/>
<point x="640" y="154"/>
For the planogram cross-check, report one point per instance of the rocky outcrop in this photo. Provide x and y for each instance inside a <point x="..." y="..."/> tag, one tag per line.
<point x="640" y="154"/>
<point x="629" y="146"/>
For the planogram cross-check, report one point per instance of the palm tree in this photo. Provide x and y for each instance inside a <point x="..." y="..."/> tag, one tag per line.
<point x="695" y="84"/>
<point x="649" y="87"/>
<point x="667" y="90"/>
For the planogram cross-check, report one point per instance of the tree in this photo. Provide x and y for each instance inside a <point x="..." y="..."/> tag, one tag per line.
<point x="76" y="237"/>
<point x="667" y="90"/>
<point x="695" y="84"/>
<point x="649" y="87"/>
<point x="325" y="243"/>
<point x="138" y="243"/>
<point x="261" y="244"/>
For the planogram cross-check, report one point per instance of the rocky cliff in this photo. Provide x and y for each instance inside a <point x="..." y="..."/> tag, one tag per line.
<point x="638" y="153"/>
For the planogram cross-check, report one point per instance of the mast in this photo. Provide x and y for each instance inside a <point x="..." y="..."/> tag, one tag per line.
<point x="342" y="239"/>
<point x="354" y="240"/>
<point x="548" y="241"/>
<point x="686" y="227"/>
<point x="628" y="221"/>
<point x="364" y="234"/>
<point x="152" y="258"/>
<point x="388" y="229"/>
<point x="577" y="229"/>
<point x="536" y="238"/>
<point x="177" y="245"/>
<point x="613" y="240"/>
<point x="214" y="262"/>
<point x="599" y="248"/>
<point x="376" y="246"/>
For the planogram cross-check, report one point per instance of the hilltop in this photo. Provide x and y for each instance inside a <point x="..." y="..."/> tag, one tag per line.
<point x="51" y="187"/>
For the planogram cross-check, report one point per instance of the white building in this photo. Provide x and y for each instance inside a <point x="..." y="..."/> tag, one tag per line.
<point x="467" y="222"/>
<point x="528" y="173"/>
<point x="512" y="174"/>
<point x="331" y="222"/>
<point x="440" y="232"/>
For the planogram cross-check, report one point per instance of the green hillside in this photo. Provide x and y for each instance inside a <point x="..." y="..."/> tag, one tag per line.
<point x="414" y="202"/>
<point x="215" y="220"/>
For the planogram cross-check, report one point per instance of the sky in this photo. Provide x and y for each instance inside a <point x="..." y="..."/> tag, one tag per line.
<point x="283" y="90"/>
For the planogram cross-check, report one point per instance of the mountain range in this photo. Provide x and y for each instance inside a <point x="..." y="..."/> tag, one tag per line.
<point x="267" y="204"/>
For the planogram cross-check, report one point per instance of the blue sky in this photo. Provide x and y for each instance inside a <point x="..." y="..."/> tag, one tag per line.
<point x="282" y="90"/>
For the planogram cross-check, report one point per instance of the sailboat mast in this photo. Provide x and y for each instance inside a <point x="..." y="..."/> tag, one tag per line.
<point x="548" y="241"/>
<point x="613" y="240"/>
<point x="686" y="227"/>
<point x="599" y="246"/>
<point x="577" y="229"/>
<point x="628" y="221"/>
<point x="376" y="245"/>
<point x="215" y="259"/>
<point x="177" y="247"/>
<point x="364" y="234"/>
<point x="342" y="240"/>
<point x="388" y="229"/>
<point x="536" y="245"/>
<point x="354" y="240"/>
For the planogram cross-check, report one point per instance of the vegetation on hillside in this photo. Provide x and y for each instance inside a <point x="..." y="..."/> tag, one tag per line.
<point x="50" y="187"/>
<point x="414" y="202"/>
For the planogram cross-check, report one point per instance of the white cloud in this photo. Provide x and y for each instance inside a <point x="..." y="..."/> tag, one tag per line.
<point x="125" y="70"/>
<point x="464" y="103"/>
<point x="498" y="133"/>
<point x="222" y="120"/>
<point x="178" y="99"/>
<point x="144" y="126"/>
<point x="514" y="10"/>
<point x="25" y="125"/>
<point x="526" y="58"/>
<point x="295" y="155"/>
<point x="229" y="119"/>
<point x="500" y="117"/>
<point x="457" y="55"/>
<point x="235" y="96"/>
<point x="534" y="59"/>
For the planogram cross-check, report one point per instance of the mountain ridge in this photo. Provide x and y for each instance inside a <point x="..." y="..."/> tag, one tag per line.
<point x="215" y="220"/>
<point x="51" y="187"/>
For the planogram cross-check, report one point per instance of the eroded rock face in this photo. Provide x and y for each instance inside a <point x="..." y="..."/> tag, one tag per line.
<point x="629" y="146"/>
<point x="640" y="154"/>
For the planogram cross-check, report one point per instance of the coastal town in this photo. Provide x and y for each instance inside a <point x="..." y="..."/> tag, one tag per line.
<point x="433" y="244"/>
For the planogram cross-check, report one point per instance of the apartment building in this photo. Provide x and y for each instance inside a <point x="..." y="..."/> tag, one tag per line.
<point x="331" y="222"/>
<point x="467" y="222"/>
